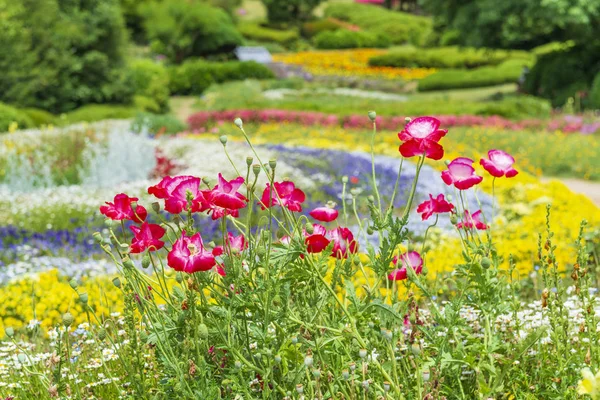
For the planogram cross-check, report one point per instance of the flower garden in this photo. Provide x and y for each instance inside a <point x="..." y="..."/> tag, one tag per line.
<point x="335" y="225"/>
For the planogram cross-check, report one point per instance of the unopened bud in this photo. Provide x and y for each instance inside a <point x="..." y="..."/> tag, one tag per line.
<point x="371" y="199"/>
<point x="256" y="169"/>
<point x="203" y="331"/>
<point x="346" y="374"/>
<point x="362" y="353"/>
<point x="10" y="331"/>
<point x="308" y="361"/>
<point x="108" y="223"/>
<point x="486" y="263"/>
<point x="179" y="277"/>
<point x="344" y="179"/>
<point x="370" y="230"/>
<point x="223" y="139"/>
<point x="453" y="219"/>
<point x="415" y="349"/>
<point x="277" y="359"/>
<point x="156" y="206"/>
<point x="98" y="237"/>
<point x="238" y="122"/>
<point x="73" y="283"/>
<point x="309" y="228"/>
<point x="117" y="282"/>
<point x="294" y="340"/>
<point x="83" y="297"/>
<point x="238" y="364"/>
<point x="146" y="261"/>
<point x="386" y="386"/>
<point x="102" y="334"/>
<point x="352" y="366"/>
<point x="299" y="388"/>
<point x="249" y="161"/>
<point x="372" y="115"/>
<point x="67" y="319"/>
<point x="366" y="384"/>
<point x="272" y="163"/>
<point x="127" y="263"/>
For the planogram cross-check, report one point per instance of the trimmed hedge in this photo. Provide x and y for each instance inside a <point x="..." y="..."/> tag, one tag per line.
<point x="260" y="33"/>
<point x="595" y="93"/>
<point x="346" y="39"/>
<point x="98" y="112"/>
<point x="507" y="72"/>
<point x="313" y="28"/>
<point x="153" y="123"/>
<point x="445" y="57"/>
<point x="40" y="117"/>
<point x="150" y="80"/>
<point x="195" y="76"/>
<point x="398" y="27"/>
<point x="10" y="115"/>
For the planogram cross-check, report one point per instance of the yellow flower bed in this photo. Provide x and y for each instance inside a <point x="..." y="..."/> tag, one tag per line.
<point x="349" y="63"/>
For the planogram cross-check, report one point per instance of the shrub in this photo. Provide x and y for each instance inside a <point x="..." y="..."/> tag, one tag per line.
<point x="59" y="55"/>
<point x="40" y="117"/>
<point x="257" y="32"/>
<point x="180" y="29"/>
<point x="346" y="39"/>
<point x="507" y="72"/>
<point x="313" y="28"/>
<point x="150" y="80"/>
<point x="289" y="11"/>
<point x="595" y="92"/>
<point x="445" y="57"/>
<point x="195" y="76"/>
<point x="399" y="27"/>
<point x="98" y="112"/>
<point x="153" y="123"/>
<point x="10" y="115"/>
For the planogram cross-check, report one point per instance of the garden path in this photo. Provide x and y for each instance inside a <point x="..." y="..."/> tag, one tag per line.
<point x="588" y="188"/>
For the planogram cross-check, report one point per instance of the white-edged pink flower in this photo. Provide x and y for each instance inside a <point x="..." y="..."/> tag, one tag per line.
<point x="461" y="174"/>
<point x="324" y="214"/>
<point x="499" y="164"/>
<point x="472" y="221"/>
<point x="421" y="137"/>
<point x="409" y="259"/>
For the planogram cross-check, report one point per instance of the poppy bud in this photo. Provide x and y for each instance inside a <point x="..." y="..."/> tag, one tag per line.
<point x="127" y="263"/>
<point x="73" y="284"/>
<point x="146" y="261"/>
<point x="486" y="263"/>
<point x="277" y="359"/>
<point x="372" y="115"/>
<point x="97" y="237"/>
<point x="453" y="219"/>
<point x="386" y="386"/>
<point x="362" y="353"/>
<point x="371" y="199"/>
<point x="223" y="139"/>
<point x="266" y="235"/>
<point x="108" y="223"/>
<point x="261" y="251"/>
<point x="407" y="120"/>
<point x="249" y="161"/>
<point x="238" y="364"/>
<point x="415" y="349"/>
<point x="84" y="298"/>
<point x="10" y="332"/>
<point x="352" y="366"/>
<point x="366" y="384"/>
<point x="256" y="169"/>
<point x="346" y="374"/>
<point x="370" y="230"/>
<point x="344" y="179"/>
<point x="426" y="376"/>
<point x="308" y="361"/>
<point x="67" y="319"/>
<point x="238" y="122"/>
<point x="273" y="163"/>
<point x="299" y="388"/>
<point x="117" y="282"/>
<point x="294" y="340"/>
<point x="310" y="229"/>
<point x="424" y="270"/>
<point x="317" y="373"/>
<point x="179" y="277"/>
<point x="102" y="334"/>
<point x="203" y="331"/>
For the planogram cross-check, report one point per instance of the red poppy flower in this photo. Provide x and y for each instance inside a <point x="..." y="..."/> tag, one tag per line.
<point x="317" y="241"/>
<point x="285" y="195"/>
<point x="146" y="236"/>
<point x="432" y="206"/>
<point x="472" y="221"/>
<point x="324" y="214"/>
<point x="189" y="255"/>
<point x="121" y="209"/>
<point x="344" y="243"/>
<point x="175" y="193"/>
<point x="412" y="259"/>
<point x="421" y="136"/>
<point x="224" y="198"/>
<point x="461" y="174"/>
<point x="499" y="164"/>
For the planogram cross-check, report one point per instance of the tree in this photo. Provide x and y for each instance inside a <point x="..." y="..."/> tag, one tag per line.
<point x="289" y="11"/>
<point x="61" y="54"/>
<point x="180" y="29"/>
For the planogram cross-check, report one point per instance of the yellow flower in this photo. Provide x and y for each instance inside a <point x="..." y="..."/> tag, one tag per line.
<point x="12" y="127"/>
<point x="590" y="384"/>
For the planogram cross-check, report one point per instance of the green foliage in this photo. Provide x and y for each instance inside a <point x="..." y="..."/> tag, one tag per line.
<point x="195" y="76"/>
<point x="398" y="27"/>
<point x="346" y="39"/>
<point x="444" y="57"/>
<point x="507" y="72"/>
<point x="559" y="75"/>
<point x="59" y="54"/>
<point x="313" y="28"/>
<point x="595" y="92"/>
<point x="257" y="32"/>
<point x="180" y="29"/>
<point x="98" y="112"/>
<point x="10" y="115"/>
<point x="40" y="117"/>
<point x="153" y="123"/>
<point x="150" y="80"/>
<point x="289" y="11"/>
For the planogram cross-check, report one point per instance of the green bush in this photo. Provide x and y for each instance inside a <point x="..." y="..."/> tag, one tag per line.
<point x="559" y="75"/>
<point x="289" y="11"/>
<point x="58" y="55"/>
<point x="346" y="39"/>
<point x="595" y="93"/>
<point x="40" y="117"/>
<point x="98" y="112"/>
<point x="151" y="81"/>
<point x="398" y="27"/>
<point x="195" y="76"/>
<point x="181" y="29"/>
<point x="260" y="33"/>
<point x="10" y="115"/>
<point x="516" y="107"/>
<point x="313" y="28"/>
<point x="445" y="57"/>
<point x="508" y="72"/>
<point x="157" y="123"/>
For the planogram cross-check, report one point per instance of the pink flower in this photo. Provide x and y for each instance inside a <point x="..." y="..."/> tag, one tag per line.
<point x="472" y="221"/>
<point x="461" y="173"/>
<point x="324" y="214"/>
<point x="121" y="209"/>
<point x="412" y="259"/>
<point x="499" y="164"/>
<point x="421" y="136"/>
<point x="147" y="236"/>
<point x="317" y="241"/>
<point x="175" y="193"/>
<point x="224" y="198"/>
<point x="235" y="243"/>
<point x="189" y="255"/>
<point x="285" y="194"/>
<point x="432" y="206"/>
<point x="343" y="242"/>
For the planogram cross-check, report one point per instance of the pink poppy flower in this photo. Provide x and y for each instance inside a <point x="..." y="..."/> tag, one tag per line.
<point x="324" y="214"/>
<point x="421" y="136"/>
<point x="236" y="243"/>
<point x="499" y="164"/>
<point x="461" y="174"/>
<point x="291" y="197"/>
<point x="472" y="221"/>
<point x="175" y="191"/>
<point x="412" y="259"/>
<point x="432" y="206"/>
<point x="189" y="255"/>
<point x="121" y="209"/>
<point x="224" y="198"/>
<point x="343" y="242"/>
<point x="317" y="241"/>
<point x="146" y="236"/>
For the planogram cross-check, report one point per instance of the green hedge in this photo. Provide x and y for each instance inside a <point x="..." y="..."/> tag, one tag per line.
<point x="507" y="72"/>
<point x="313" y="28"/>
<point x="10" y="115"/>
<point x="153" y="123"/>
<point x="195" y="76"/>
<point x="595" y="93"/>
<point x="99" y="112"/>
<point x="40" y="117"/>
<point x="398" y="27"/>
<point x="445" y="57"/>
<point x="345" y="39"/>
<point x="150" y="80"/>
<point x="260" y="33"/>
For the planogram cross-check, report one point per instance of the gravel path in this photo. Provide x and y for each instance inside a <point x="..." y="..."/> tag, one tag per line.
<point x="589" y="188"/>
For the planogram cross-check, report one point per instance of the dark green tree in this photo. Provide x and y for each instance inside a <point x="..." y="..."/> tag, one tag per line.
<point x="289" y="11"/>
